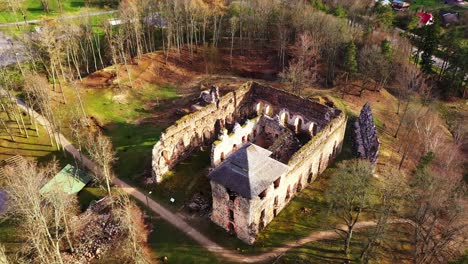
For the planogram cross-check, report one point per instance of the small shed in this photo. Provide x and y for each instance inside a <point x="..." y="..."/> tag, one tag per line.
<point x="400" y="5"/>
<point x="450" y="19"/>
<point x="70" y="180"/>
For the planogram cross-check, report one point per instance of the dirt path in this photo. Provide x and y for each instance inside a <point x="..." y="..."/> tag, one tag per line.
<point x="178" y="222"/>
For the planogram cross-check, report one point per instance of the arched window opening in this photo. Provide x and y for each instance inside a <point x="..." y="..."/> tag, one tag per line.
<point x="284" y="118"/>
<point x="311" y="175"/>
<point x="277" y="182"/>
<point x="269" y="111"/>
<point x="297" y="125"/>
<point x="231" y="228"/>
<point x="231" y="215"/>
<point x="259" y="108"/>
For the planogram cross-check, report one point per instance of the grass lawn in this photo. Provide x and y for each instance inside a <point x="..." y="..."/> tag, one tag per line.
<point x="10" y="237"/>
<point x="166" y="240"/>
<point x="187" y="178"/>
<point x="33" y="10"/>
<point x="32" y="147"/>
<point x="123" y="118"/>
<point x="427" y="4"/>
<point x="330" y="250"/>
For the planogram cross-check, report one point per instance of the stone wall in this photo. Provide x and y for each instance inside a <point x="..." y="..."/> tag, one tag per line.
<point x="251" y="99"/>
<point x="228" y="143"/>
<point x="285" y="117"/>
<point x="248" y="220"/>
<point x="365" y="134"/>
<point x="198" y="128"/>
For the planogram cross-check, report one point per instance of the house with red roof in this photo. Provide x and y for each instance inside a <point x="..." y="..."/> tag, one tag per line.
<point x="425" y="18"/>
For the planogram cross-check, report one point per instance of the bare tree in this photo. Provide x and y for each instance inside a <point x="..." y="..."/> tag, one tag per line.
<point x="3" y="255"/>
<point x="349" y="194"/>
<point x="299" y="71"/>
<point x="428" y="130"/>
<point x="100" y="151"/>
<point x="437" y="210"/>
<point x="41" y="219"/>
<point x="234" y="21"/>
<point x="131" y="222"/>
<point x="392" y="189"/>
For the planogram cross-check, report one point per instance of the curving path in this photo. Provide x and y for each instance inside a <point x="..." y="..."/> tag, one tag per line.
<point x="182" y="225"/>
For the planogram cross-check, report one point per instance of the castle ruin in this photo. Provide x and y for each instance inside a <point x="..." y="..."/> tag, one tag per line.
<point x="267" y="145"/>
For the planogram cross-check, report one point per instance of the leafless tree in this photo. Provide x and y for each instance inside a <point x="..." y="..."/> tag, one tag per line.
<point x="42" y="215"/>
<point x="428" y="130"/>
<point x="299" y="70"/>
<point x="3" y="256"/>
<point x="392" y="189"/>
<point x="131" y="222"/>
<point x="349" y="194"/>
<point x="100" y="151"/>
<point x="437" y="210"/>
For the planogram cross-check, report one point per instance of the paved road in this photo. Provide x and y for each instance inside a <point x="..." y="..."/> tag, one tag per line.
<point x="34" y="21"/>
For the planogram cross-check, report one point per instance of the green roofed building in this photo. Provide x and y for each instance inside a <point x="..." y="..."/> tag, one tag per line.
<point x="70" y="180"/>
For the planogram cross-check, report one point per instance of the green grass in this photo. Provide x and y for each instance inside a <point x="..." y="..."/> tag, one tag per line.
<point x="32" y="147"/>
<point x="331" y="250"/>
<point x="426" y="4"/>
<point x="10" y="236"/>
<point x="132" y="139"/>
<point x="187" y="178"/>
<point x="166" y="240"/>
<point x="33" y="10"/>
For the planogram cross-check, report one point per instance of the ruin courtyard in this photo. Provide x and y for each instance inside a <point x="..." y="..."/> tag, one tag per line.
<point x="267" y="145"/>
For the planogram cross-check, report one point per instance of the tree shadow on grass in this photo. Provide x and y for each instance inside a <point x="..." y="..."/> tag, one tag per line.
<point x="77" y="4"/>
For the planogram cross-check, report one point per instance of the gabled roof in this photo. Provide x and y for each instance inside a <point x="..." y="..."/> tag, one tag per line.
<point x="424" y="18"/>
<point x="248" y="171"/>
<point x="70" y="180"/>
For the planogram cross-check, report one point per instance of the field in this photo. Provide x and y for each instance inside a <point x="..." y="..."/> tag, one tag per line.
<point x="33" y="10"/>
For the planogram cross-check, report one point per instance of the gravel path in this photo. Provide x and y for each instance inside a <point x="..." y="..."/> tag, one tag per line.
<point x="182" y="225"/>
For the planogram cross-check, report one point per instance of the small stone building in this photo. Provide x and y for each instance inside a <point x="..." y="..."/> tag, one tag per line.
<point x="267" y="145"/>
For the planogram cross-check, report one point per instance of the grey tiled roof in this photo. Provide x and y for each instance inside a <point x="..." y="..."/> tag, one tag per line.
<point x="248" y="171"/>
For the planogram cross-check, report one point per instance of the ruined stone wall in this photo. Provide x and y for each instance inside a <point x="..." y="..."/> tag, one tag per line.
<point x="241" y="209"/>
<point x="365" y="134"/>
<point x="292" y="108"/>
<point x="325" y="125"/>
<point x="304" y="168"/>
<point x="229" y="143"/>
<point x="193" y="130"/>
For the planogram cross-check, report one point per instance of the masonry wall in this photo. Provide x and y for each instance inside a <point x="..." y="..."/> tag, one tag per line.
<point x="201" y="127"/>
<point x="241" y="209"/>
<point x="229" y="143"/>
<point x="304" y="168"/>
<point x="251" y="216"/>
<point x="326" y="126"/>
